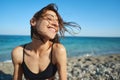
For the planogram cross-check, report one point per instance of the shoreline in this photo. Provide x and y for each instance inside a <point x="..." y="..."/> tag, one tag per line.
<point x="100" y="67"/>
<point x="71" y="57"/>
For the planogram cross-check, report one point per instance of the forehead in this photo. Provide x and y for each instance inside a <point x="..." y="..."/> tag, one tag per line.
<point x="51" y="13"/>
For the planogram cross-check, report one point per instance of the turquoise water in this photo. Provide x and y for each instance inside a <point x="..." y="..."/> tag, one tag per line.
<point x="75" y="46"/>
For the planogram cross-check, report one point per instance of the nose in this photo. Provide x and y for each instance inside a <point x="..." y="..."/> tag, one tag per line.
<point x="55" y="23"/>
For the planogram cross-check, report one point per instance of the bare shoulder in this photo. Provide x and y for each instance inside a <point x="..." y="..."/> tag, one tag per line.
<point x="59" y="52"/>
<point x="59" y="49"/>
<point x="17" y="54"/>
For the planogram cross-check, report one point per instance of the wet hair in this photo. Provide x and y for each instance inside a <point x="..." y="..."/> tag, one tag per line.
<point x="62" y="24"/>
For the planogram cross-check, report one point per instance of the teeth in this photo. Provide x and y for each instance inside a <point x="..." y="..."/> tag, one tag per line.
<point x="52" y="29"/>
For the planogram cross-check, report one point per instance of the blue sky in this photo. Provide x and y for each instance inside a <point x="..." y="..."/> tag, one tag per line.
<point x="96" y="17"/>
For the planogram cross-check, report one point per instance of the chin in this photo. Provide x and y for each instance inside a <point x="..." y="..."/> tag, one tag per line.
<point x="51" y="36"/>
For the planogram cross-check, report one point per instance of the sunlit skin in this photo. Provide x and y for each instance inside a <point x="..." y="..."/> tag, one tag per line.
<point x="37" y="53"/>
<point x="48" y="26"/>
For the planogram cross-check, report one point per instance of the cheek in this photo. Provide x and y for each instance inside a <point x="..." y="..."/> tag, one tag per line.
<point x="41" y="26"/>
<point x="44" y="23"/>
<point x="58" y="29"/>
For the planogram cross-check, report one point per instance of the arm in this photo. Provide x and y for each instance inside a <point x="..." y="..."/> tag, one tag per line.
<point x="17" y="60"/>
<point x="61" y="60"/>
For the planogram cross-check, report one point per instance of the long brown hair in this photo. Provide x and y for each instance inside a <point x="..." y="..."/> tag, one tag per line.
<point x="62" y="24"/>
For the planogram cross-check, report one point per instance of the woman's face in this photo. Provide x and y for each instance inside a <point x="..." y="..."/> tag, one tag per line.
<point x="48" y="25"/>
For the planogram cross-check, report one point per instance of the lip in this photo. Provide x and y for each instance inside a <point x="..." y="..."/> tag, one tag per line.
<point x="52" y="29"/>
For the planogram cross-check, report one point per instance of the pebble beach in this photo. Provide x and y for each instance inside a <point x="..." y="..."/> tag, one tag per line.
<point x="104" y="67"/>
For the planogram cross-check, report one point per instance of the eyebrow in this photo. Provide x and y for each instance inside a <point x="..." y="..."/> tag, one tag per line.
<point x="51" y="15"/>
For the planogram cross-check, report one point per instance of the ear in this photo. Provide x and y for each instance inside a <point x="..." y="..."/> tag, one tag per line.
<point x="33" y="22"/>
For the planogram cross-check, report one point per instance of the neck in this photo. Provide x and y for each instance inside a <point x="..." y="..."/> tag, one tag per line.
<point x="39" y="46"/>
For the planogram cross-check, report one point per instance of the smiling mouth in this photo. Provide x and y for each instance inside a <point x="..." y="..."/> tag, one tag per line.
<point x="52" y="29"/>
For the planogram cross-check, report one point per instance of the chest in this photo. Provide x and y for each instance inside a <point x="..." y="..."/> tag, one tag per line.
<point x="36" y="71"/>
<point x="37" y="64"/>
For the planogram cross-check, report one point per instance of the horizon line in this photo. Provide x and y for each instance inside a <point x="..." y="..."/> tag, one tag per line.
<point x="64" y="36"/>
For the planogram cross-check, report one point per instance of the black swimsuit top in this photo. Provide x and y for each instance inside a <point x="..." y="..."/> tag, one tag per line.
<point x="47" y="73"/>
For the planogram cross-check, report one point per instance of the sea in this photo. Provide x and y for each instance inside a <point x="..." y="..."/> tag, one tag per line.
<point x="75" y="46"/>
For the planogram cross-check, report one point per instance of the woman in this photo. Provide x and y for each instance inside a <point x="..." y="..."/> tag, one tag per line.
<point x="41" y="58"/>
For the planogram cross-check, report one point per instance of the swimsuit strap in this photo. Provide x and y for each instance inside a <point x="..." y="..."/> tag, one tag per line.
<point x="47" y="73"/>
<point x="51" y="52"/>
<point x="24" y="51"/>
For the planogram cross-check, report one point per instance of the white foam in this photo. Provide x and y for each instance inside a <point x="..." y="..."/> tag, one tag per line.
<point x="8" y="61"/>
